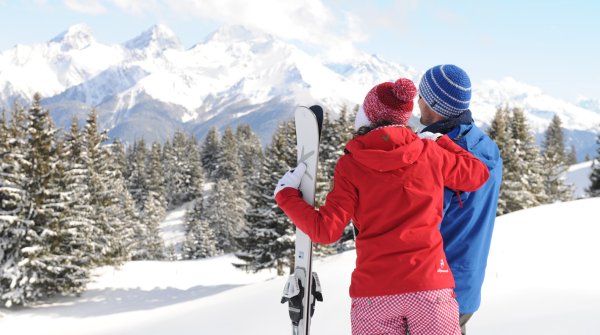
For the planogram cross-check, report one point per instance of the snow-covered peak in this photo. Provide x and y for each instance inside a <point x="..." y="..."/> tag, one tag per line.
<point x="589" y="103"/>
<point x="159" y="37"/>
<point x="510" y="87"/>
<point x="77" y="37"/>
<point x="368" y="69"/>
<point x="541" y="107"/>
<point x="238" y="33"/>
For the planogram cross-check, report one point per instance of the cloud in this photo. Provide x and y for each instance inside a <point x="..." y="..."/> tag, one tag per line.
<point x="308" y="21"/>
<point x="93" y="7"/>
<point x="138" y="7"/>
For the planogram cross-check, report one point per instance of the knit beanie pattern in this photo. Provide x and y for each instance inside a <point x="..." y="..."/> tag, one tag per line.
<point x="446" y="89"/>
<point x="391" y="101"/>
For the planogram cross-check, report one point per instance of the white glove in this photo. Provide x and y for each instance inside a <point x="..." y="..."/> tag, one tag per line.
<point x="291" y="178"/>
<point x="429" y="136"/>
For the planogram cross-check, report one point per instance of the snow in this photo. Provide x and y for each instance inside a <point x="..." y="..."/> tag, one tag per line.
<point x="579" y="175"/>
<point x="541" y="279"/>
<point x="173" y="227"/>
<point x="237" y="64"/>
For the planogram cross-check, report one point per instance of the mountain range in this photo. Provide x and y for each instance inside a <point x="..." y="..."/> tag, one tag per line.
<point x="151" y="86"/>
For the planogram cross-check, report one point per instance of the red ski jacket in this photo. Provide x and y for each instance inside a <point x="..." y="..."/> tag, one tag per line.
<point x="391" y="184"/>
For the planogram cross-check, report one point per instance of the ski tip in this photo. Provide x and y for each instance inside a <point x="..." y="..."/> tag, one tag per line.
<point x="318" y="111"/>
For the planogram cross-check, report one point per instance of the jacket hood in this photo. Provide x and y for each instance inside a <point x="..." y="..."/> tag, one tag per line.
<point x="386" y="148"/>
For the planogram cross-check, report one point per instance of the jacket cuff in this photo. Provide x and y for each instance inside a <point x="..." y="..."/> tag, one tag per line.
<point x="287" y="192"/>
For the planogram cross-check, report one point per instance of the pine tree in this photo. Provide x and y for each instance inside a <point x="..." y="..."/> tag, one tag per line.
<point x="522" y="184"/>
<point x="250" y="155"/>
<point x="594" y="189"/>
<point x="345" y="128"/>
<point x="78" y="213"/>
<point x="210" y="148"/>
<point x="178" y="174"/>
<point x="500" y="132"/>
<point x="227" y="159"/>
<point x="15" y="207"/>
<point x="572" y="156"/>
<point x="555" y="163"/>
<point x="39" y="261"/>
<point x="200" y="240"/>
<point x="331" y="148"/>
<point x="111" y="235"/>
<point x="136" y="183"/>
<point x="124" y="213"/>
<point x="154" y="209"/>
<point x="70" y="272"/>
<point x="268" y="239"/>
<point x="45" y="266"/>
<point x="193" y="171"/>
<point x="225" y="214"/>
<point x="120" y="157"/>
<point x="169" y="169"/>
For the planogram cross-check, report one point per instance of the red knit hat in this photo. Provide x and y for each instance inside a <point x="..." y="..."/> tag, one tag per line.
<point x="388" y="101"/>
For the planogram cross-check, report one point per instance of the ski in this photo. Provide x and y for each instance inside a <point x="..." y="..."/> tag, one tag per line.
<point x="301" y="301"/>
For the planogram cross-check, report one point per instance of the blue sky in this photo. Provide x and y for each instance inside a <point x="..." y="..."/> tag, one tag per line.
<point x="549" y="44"/>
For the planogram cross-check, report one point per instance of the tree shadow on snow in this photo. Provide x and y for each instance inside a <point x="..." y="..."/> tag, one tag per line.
<point x="100" y="302"/>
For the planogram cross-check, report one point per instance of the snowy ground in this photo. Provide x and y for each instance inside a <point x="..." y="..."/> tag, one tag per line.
<point x="542" y="279"/>
<point x="172" y="228"/>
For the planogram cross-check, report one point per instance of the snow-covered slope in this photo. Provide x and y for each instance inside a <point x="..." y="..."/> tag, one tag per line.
<point x="541" y="279"/>
<point x="151" y="85"/>
<point x="579" y="176"/>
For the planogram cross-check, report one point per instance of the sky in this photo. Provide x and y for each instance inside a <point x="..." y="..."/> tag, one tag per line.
<point x="549" y="44"/>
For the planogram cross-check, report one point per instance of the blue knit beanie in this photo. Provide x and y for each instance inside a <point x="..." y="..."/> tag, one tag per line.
<point x="446" y="89"/>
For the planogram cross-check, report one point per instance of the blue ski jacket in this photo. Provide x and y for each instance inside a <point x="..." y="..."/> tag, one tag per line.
<point x="469" y="217"/>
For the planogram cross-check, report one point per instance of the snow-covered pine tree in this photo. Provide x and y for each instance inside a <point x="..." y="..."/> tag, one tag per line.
<point x="227" y="159"/>
<point x="178" y="166"/>
<point x="193" y="171"/>
<point x="109" y="240"/>
<point x="78" y="213"/>
<point x="67" y="254"/>
<point x="125" y="214"/>
<point x="200" y="239"/>
<point x="554" y="160"/>
<point x="572" y="155"/>
<point x="330" y="150"/>
<point x="15" y="208"/>
<point x="154" y="208"/>
<point x="345" y="127"/>
<point x="120" y="157"/>
<point x="224" y="212"/>
<point x="268" y="239"/>
<point x="169" y="169"/>
<point x="250" y="155"/>
<point x="228" y="192"/>
<point x="46" y="271"/>
<point x="522" y="185"/>
<point x="210" y="149"/>
<point x="136" y="183"/>
<point x="594" y="189"/>
<point x="500" y="132"/>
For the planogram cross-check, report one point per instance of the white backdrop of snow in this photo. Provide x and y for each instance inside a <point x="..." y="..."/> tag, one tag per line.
<point x="541" y="279"/>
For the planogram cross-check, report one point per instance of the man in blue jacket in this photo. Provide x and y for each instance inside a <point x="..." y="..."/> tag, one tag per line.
<point x="444" y="97"/>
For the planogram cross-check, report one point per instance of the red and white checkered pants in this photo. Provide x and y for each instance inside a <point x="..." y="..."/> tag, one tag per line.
<point x="424" y="313"/>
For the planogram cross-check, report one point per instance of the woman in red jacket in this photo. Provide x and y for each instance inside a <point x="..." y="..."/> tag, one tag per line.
<point x="390" y="184"/>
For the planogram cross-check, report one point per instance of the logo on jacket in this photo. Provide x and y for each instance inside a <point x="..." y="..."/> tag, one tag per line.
<point x="442" y="267"/>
